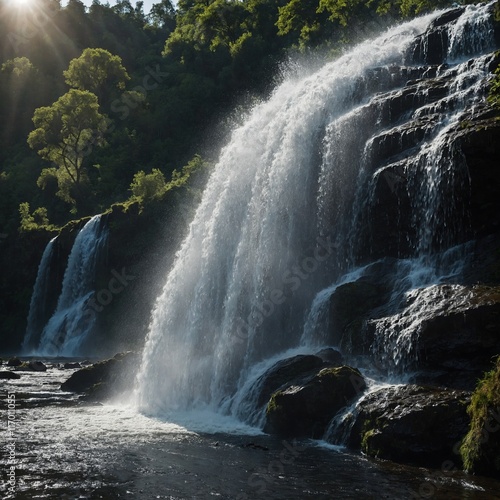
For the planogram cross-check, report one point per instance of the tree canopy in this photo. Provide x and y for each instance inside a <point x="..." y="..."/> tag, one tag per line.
<point x="97" y="71"/>
<point x="166" y="81"/>
<point x="65" y="134"/>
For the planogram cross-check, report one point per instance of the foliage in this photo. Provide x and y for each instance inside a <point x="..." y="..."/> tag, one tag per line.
<point x="18" y="67"/>
<point x="494" y="95"/>
<point x="97" y="71"/>
<point x="480" y="449"/>
<point x="33" y="221"/>
<point x="148" y="186"/>
<point x="65" y="135"/>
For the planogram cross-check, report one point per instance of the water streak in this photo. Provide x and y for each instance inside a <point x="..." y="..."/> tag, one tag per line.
<point x="37" y="315"/>
<point x="74" y="320"/>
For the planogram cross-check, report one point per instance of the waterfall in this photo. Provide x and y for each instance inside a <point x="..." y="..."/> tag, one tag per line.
<point x="37" y="316"/>
<point x="74" y="319"/>
<point x="293" y="210"/>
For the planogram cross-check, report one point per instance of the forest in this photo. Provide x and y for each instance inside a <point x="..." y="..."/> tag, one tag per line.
<point x="105" y="104"/>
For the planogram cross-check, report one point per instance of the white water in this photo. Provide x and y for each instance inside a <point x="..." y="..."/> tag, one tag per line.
<point x="278" y="224"/>
<point x="74" y="319"/>
<point x="38" y="304"/>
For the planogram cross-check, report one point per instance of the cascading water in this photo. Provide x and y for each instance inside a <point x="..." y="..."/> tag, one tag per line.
<point x="39" y="300"/>
<point x="293" y="206"/>
<point x="74" y="320"/>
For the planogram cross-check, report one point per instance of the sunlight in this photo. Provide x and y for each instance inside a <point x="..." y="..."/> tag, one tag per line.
<point x="21" y="4"/>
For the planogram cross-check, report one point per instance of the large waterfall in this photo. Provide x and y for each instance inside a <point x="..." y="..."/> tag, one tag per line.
<point x="335" y="171"/>
<point x="74" y="319"/>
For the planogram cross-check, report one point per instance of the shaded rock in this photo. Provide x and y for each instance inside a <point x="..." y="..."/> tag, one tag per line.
<point x="72" y="365"/>
<point x="253" y="446"/>
<point x="460" y="333"/>
<point x="84" y="379"/>
<point x="286" y="371"/>
<point x="37" y="366"/>
<point x="447" y="334"/>
<point x="447" y="17"/>
<point x="352" y="304"/>
<point x="14" y="362"/>
<point x="7" y="375"/>
<point x="478" y="139"/>
<point x="305" y="410"/>
<point x="105" y="378"/>
<point x="331" y="356"/>
<point x="411" y="424"/>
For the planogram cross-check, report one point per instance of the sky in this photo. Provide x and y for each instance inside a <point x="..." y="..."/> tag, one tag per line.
<point x="147" y="3"/>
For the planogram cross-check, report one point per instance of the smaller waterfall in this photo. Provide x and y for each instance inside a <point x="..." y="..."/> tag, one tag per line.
<point x="74" y="319"/>
<point x="37" y="316"/>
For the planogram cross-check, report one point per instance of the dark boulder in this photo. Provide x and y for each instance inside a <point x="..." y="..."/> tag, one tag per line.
<point x="411" y="424"/>
<point x="305" y="410"/>
<point x="14" y="362"/>
<point x="37" y="366"/>
<point x="331" y="356"/>
<point x="447" y="17"/>
<point x="459" y="334"/>
<point x="8" y="375"/>
<point x="286" y="371"/>
<point x="105" y="378"/>
<point x="69" y="366"/>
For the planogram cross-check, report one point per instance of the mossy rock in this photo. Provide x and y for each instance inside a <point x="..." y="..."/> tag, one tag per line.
<point x="480" y="449"/>
<point x="411" y="424"/>
<point x="284" y="372"/>
<point x="305" y="410"/>
<point x="105" y="378"/>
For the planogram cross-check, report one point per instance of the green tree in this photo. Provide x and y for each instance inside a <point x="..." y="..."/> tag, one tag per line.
<point x="65" y="134"/>
<point x="98" y="71"/>
<point x="148" y="186"/>
<point x="162" y="15"/>
<point x="36" y="220"/>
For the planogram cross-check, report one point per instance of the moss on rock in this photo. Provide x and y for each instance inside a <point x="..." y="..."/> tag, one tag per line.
<point x="480" y="448"/>
<point x="305" y="410"/>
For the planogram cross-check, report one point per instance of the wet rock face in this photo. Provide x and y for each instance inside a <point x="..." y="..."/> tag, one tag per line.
<point x="305" y="410"/>
<point x="411" y="424"/>
<point x="287" y="371"/>
<point x="102" y="380"/>
<point x="453" y="331"/>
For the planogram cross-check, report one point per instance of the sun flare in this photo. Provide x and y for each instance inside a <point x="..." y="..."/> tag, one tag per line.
<point x="21" y="3"/>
